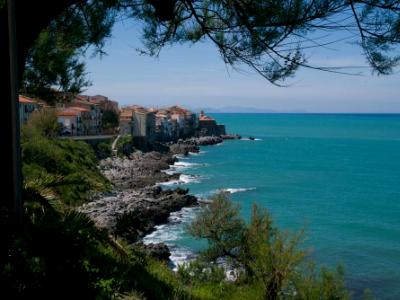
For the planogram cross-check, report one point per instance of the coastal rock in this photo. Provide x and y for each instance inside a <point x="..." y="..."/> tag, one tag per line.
<point x="201" y="141"/>
<point x="208" y="140"/>
<point x="133" y="213"/>
<point x="183" y="148"/>
<point x="231" y="137"/>
<point x="159" y="251"/>
<point x="137" y="204"/>
<point x="138" y="170"/>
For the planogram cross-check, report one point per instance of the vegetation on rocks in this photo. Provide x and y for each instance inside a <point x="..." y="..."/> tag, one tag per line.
<point x="102" y="150"/>
<point x="125" y="145"/>
<point x="259" y="253"/>
<point x="109" y="119"/>
<point x="62" y="168"/>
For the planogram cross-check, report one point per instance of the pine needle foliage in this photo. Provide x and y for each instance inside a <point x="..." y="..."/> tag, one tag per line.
<point x="261" y="254"/>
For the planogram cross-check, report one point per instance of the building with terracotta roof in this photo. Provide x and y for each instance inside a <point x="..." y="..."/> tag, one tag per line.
<point x="164" y="124"/>
<point x="93" y="123"/>
<point x="74" y="120"/>
<point x="164" y="127"/>
<point x="104" y="102"/>
<point x="208" y="126"/>
<point x="26" y="107"/>
<point x="126" y="121"/>
<point x="143" y="128"/>
<point x="185" y="119"/>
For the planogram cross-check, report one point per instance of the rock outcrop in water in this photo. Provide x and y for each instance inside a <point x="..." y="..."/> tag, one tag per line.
<point x="134" y="213"/>
<point x="183" y="147"/>
<point x="231" y="137"/>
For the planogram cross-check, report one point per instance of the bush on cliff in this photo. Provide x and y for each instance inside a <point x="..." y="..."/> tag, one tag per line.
<point x="261" y="254"/>
<point x="109" y="119"/>
<point x="103" y="150"/>
<point x="42" y="122"/>
<point x="64" y="169"/>
<point x="125" y="145"/>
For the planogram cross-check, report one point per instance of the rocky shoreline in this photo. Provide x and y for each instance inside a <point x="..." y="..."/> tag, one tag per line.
<point x="137" y="203"/>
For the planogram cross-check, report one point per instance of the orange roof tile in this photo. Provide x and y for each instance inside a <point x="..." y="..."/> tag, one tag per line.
<point x="81" y="109"/>
<point x="67" y="113"/>
<point x="206" y="118"/>
<point x="24" y="99"/>
<point x="125" y="114"/>
<point x="82" y="98"/>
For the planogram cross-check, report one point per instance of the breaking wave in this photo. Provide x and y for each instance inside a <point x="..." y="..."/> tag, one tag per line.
<point x="183" y="179"/>
<point x="171" y="232"/>
<point x="248" y="139"/>
<point x="180" y="166"/>
<point x="237" y="190"/>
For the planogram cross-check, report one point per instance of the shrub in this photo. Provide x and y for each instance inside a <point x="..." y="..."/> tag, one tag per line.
<point x="266" y="255"/>
<point x="103" y="150"/>
<point x="125" y="145"/>
<point x="42" y="122"/>
<point x="71" y="165"/>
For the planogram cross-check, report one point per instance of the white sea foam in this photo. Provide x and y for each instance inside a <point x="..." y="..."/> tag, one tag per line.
<point x="168" y="183"/>
<point x="247" y="139"/>
<point x="161" y="235"/>
<point x="180" y="156"/>
<point x="184" y="164"/>
<point x="171" y="232"/>
<point x="180" y="255"/>
<point x="181" y="166"/>
<point x="184" y="178"/>
<point x="205" y="196"/>
<point x="237" y="190"/>
<point x="170" y="171"/>
<point x="168" y="233"/>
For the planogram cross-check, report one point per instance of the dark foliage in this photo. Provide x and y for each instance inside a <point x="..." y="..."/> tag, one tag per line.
<point x="109" y="119"/>
<point x="55" y="69"/>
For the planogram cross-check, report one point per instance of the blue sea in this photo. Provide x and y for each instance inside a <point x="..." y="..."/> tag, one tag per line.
<point x="335" y="175"/>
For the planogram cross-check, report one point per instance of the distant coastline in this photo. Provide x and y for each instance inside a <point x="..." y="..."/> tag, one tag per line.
<point x="303" y="113"/>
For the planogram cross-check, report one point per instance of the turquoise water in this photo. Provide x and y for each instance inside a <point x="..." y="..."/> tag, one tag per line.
<point x="337" y="176"/>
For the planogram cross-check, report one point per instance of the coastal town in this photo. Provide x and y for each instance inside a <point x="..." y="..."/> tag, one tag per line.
<point x="145" y="183"/>
<point x="84" y="116"/>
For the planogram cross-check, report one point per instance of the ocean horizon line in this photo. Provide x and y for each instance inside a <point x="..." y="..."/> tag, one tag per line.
<point x="307" y="113"/>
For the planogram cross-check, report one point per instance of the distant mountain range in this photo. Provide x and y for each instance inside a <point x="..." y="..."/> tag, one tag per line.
<point x="240" y="109"/>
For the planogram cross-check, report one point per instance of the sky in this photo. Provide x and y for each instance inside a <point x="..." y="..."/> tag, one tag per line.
<point x="195" y="76"/>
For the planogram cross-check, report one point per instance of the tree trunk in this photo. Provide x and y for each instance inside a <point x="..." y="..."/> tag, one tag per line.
<point x="9" y="125"/>
<point x="21" y="21"/>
